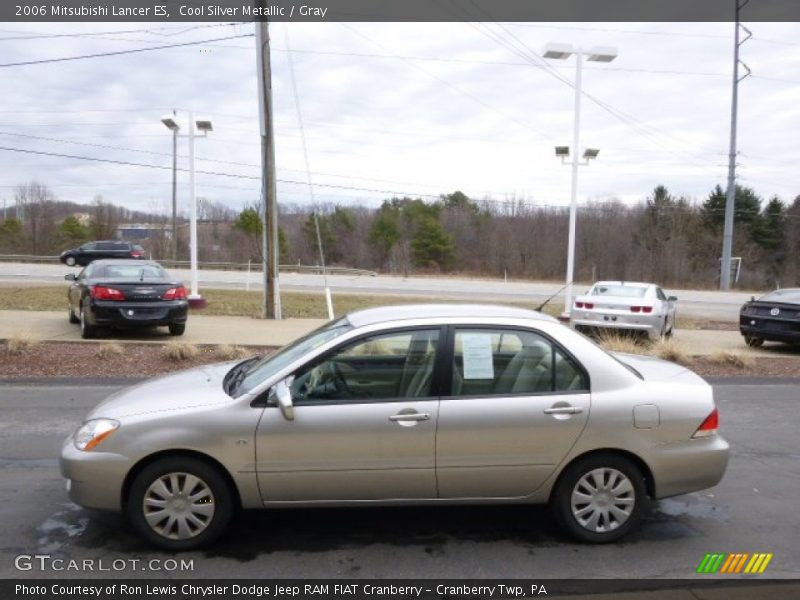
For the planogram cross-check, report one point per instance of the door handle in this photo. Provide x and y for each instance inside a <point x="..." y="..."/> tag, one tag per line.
<point x="411" y="417"/>
<point x="563" y="410"/>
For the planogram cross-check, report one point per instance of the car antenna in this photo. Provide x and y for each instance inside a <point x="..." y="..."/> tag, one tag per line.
<point x="543" y="304"/>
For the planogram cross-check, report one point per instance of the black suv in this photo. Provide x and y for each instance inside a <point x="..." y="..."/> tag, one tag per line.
<point x="105" y="249"/>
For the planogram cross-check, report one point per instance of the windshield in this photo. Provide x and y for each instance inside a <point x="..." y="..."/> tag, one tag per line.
<point x="269" y="365"/>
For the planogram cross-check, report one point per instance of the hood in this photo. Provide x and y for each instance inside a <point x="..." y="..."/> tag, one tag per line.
<point x="655" y="369"/>
<point x="201" y="386"/>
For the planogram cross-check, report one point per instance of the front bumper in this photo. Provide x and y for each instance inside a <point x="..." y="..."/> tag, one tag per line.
<point x="129" y="315"/>
<point x="94" y="479"/>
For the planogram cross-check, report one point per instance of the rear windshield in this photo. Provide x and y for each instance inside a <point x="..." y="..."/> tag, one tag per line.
<point x="787" y="295"/>
<point x="620" y="291"/>
<point x="130" y="272"/>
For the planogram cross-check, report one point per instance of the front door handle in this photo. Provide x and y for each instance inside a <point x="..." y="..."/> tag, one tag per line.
<point x="411" y="417"/>
<point x="563" y="410"/>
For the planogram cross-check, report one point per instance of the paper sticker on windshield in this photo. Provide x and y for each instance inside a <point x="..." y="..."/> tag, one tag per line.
<point x="477" y="351"/>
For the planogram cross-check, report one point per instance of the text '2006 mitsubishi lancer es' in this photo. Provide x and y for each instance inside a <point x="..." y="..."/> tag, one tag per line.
<point x="425" y="404"/>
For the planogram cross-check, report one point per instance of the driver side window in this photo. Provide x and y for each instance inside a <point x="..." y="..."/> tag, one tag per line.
<point x="380" y="367"/>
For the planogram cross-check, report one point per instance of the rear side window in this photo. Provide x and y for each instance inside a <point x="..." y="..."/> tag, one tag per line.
<point x="110" y="246"/>
<point x="504" y="362"/>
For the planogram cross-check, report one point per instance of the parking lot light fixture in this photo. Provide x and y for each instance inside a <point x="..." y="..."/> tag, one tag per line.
<point x="595" y="54"/>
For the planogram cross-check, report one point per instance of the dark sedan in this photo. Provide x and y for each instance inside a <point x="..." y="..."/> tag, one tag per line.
<point x="773" y="318"/>
<point x="126" y="294"/>
<point x="90" y="251"/>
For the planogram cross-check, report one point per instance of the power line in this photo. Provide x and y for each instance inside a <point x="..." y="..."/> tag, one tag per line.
<point x="119" y="52"/>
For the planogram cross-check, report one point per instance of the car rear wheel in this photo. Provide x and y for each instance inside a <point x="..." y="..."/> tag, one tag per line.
<point x="753" y="342"/>
<point x="180" y="503"/>
<point x="600" y="499"/>
<point x="70" y="261"/>
<point x="177" y="328"/>
<point x="87" y="331"/>
<point x="72" y="318"/>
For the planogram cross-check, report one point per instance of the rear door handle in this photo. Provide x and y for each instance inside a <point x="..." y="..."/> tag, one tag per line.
<point x="563" y="410"/>
<point x="411" y="417"/>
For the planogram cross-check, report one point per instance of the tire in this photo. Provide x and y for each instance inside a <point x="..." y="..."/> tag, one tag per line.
<point x="753" y="342"/>
<point x="70" y="261"/>
<point x="177" y="328"/>
<point x="87" y="331"/>
<point x="576" y="511"/>
<point x="72" y="318"/>
<point x="183" y="525"/>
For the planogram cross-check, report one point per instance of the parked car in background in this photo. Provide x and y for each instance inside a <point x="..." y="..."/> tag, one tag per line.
<point x="126" y="294"/>
<point x="440" y="404"/>
<point x="625" y="306"/>
<point x="774" y="317"/>
<point x="103" y="249"/>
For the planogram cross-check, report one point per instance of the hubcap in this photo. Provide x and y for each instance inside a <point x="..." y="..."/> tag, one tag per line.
<point x="603" y="500"/>
<point x="178" y="506"/>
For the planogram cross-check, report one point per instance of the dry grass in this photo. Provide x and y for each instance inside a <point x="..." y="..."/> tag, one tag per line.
<point x="232" y="352"/>
<point x="21" y="342"/>
<point x="669" y="349"/>
<point x="733" y="358"/>
<point x="109" y="349"/>
<point x="615" y="342"/>
<point x="178" y="351"/>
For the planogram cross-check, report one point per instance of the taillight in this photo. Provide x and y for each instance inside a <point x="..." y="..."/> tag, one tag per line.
<point x="709" y="427"/>
<point x="636" y="309"/>
<point x="589" y="305"/>
<point x="101" y="292"/>
<point x="647" y="309"/>
<point x="578" y="304"/>
<point x="137" y="253"/>
<point x="643" y="309"/>
<point x="176" y="293"/>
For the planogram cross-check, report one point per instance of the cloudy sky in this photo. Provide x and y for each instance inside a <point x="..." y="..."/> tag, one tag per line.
<point x="391" y="109"/>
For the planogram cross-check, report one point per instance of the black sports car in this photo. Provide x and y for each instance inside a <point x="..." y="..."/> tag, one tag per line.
<point x="773" y="318"/>
<point x="126" y="294"/>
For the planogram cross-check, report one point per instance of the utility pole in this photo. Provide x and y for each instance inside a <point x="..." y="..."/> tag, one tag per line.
<point x="730" y="200"/>
<point x="174" y="191"/>
<point x="272" y="304"/>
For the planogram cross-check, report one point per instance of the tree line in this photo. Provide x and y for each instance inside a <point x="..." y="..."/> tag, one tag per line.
<point x="668" y="239"/>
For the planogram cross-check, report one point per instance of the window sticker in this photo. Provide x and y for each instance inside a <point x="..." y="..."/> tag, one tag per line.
<point x="477" y="351"/>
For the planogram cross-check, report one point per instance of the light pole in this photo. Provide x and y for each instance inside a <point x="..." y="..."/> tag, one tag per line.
<point x="595" y="54"/>
<point x="195" y="299"/>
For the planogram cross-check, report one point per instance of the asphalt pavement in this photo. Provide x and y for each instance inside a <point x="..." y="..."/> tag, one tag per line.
<point x="753" y="509"/>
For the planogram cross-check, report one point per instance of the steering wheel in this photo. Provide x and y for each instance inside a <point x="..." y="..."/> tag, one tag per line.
<point x="338" y="380"/>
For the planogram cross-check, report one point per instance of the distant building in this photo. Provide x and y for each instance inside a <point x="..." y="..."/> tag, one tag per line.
<point x="142" y="231"/>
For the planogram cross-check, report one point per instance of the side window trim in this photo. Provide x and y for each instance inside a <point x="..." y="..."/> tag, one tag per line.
<point x="435" y="384"/>
<point x="557" y="347"/>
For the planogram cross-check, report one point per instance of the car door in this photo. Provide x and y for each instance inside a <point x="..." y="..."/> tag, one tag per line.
<point x="85" y="254"/>
<point x="364" y="425"/>
<point x="75" y="292"/>
<point x="517" y="404"/>
<point x="668" y="309"/>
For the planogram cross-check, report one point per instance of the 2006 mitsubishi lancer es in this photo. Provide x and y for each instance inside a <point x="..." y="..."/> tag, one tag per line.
<point x="403" y="405"/>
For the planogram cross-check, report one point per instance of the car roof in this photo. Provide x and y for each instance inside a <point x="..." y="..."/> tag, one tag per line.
<point x="625" y="283"/>
<point x="382" y="314"/>
<point x="125" y="261"/>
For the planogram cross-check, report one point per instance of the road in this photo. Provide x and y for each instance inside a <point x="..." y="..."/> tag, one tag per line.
<point x="754" y="509"/>
<point x="694" y="303"/>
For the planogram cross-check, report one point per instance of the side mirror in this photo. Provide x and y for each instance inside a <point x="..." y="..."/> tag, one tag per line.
<point x="70" y="277"/>
<point x="673" y="298"/>
<point x="282" y="393"/>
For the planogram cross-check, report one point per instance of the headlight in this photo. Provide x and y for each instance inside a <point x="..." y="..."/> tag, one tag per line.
<point x="91" y="433"/>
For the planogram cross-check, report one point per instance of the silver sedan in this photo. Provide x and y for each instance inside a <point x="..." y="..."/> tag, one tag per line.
<point x="625" y="306"/>
<point x="435" y="404"/>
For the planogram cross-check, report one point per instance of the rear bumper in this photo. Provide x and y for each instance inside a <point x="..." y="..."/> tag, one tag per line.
<point x="130" y="315"/>
<point x="689" y="466"/>
<point x="773" y="330"/>
<point x="647" y="325"/>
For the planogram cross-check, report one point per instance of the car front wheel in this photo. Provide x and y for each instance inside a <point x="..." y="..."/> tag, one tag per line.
<point x="599" y="499"/>
<point x="72" y="318"/>
<point x="180" y="503"/>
